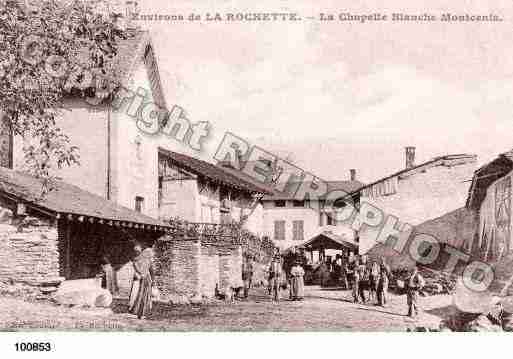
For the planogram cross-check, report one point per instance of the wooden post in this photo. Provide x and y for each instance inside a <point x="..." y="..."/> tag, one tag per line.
<point x="67" y="240"/>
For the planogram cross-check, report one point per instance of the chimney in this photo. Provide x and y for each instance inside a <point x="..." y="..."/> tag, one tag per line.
<point x="410" y="156"/>
<point x="352" y="174"/>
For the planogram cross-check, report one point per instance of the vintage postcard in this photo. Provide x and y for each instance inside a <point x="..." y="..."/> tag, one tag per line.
<point x="282" y="166"/>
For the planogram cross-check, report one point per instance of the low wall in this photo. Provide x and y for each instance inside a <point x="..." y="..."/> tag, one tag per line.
<point x="230" y="267"/>
<point x="30" y="255"/>
<point x="177" y="264"/>
<point x="209" y="270"/>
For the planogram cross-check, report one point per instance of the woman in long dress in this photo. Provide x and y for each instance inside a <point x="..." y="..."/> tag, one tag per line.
<point x="140" y="296"/>
<point x="297" y="284"/>
<point x="109" y="281"/>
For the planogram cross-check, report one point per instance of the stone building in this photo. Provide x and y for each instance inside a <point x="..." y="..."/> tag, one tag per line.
<point x="291" y="221"/>
<point x="489" y="200"/>
<point x="416" y="194"/>
<point x="148" y="179"/>
<point x="65" y="233"/>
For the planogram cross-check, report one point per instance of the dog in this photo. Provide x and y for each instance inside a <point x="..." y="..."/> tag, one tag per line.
<point x="228" y="295"/>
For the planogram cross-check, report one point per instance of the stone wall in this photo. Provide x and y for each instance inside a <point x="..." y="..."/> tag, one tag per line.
<point x="28" y="254"/>
<point x="209" y="270"/>
<point x="230" y="267"/>
<point x="124" y="277"/>
<point x="177" y="264"/>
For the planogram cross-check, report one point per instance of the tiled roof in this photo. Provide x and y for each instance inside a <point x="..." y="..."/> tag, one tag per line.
<point x="486" y="175"/>
<point x="130" y="52"/>
<point x="65" y="199"/>
<point x="291" y="189"/>
<point x="127" y="50"/>
<point x="213" y="173"/>
<point x="329" y="240"/>
<point x="437" y="161"/>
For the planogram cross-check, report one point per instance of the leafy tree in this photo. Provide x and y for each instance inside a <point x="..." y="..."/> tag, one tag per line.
<point x="50" y="50"/>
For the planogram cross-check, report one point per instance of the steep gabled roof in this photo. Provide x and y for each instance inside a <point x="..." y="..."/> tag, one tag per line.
<point x="213" y="173"/>
<point x="65" y="199"/>
<point x="486" y="175"/>
<point x="133" y="50"/>
<point x="446" y="160"/>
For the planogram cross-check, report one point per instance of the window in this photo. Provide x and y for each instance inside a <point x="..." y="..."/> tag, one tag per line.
<point x="279" y="203"/>
<point x="298" y="233"/>
<point x="298" y="203"/>
<point x="139" y="203"/>
<point x="329" y="219"/>
<point x="279" y="230"/>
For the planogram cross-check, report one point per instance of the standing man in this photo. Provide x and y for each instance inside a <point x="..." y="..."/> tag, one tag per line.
<point x="353" y="276"/>
<point x="414" y="285"/>
<point x="275" y="276"/>
<point x="247" y="274"/>
<point x="384" y="279"/>
<point x="363" y="278"/>
<point x="343" y="273"/>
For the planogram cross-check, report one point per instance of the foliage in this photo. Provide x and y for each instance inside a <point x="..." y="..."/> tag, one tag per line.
<point x="50" y="50"/>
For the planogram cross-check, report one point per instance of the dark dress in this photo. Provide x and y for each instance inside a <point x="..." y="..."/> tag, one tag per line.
<point x="140" y="296"/>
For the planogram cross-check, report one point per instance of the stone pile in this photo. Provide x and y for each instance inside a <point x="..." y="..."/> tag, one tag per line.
<point x="438" y="282"/>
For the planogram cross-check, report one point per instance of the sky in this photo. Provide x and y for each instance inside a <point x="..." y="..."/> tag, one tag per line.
<point x="338" y="95"/>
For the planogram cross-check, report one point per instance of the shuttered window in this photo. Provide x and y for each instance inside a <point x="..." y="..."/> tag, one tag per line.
<point x="298" y="233"/>
<point x="279" y="230"/>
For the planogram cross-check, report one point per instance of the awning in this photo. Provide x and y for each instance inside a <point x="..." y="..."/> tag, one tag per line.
<point x="71" y="202"/>
<point x="329" y="240"/>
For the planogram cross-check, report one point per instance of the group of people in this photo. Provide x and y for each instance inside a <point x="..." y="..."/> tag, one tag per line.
<point x="375" y="277"/>
<point x="293" y="279"/>
<point x="363" y="276"/>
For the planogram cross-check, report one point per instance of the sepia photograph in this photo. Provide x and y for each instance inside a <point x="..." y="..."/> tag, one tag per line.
<point x="280" y="166"/>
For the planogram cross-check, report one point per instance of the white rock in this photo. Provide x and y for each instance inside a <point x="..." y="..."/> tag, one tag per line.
<point x="470" y="301"/>
<point x="177" y="299"/>
<point x="84" y="298"/>
<point x="104" y="299"/>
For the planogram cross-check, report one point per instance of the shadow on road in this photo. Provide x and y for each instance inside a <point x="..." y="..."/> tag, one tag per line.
<point x="382" y="311"/>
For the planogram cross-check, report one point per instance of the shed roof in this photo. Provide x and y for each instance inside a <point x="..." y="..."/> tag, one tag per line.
<point x="213" y="172"/>
<point x="330" y="240"/>
<point x="486" y="175"/>
<point x="65" y="199"/>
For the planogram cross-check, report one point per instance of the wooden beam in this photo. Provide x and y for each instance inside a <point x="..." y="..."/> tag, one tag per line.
<point x="81" y="218"/>
<point x="70" y="217"/>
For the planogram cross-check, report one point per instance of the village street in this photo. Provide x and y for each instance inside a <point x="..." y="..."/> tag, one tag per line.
<point x="322" y="310"/>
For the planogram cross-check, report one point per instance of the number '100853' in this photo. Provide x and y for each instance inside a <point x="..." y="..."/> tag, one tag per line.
<point x="33" y="347"/>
